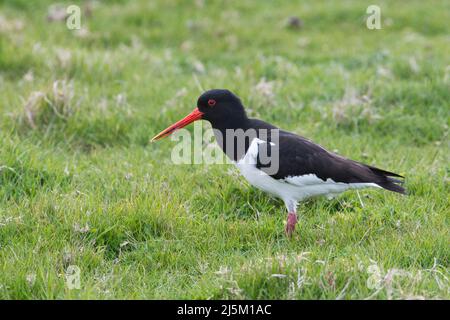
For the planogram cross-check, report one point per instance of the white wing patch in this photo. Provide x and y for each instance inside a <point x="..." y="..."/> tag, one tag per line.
<point x="312" y="179"/>
<point x="306" y="180"/>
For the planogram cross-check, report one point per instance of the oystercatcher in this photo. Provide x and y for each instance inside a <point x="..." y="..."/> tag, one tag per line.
<point x="304" y="169"/>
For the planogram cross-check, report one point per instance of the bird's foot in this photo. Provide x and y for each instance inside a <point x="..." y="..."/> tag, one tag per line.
<point x="290" y="224"/>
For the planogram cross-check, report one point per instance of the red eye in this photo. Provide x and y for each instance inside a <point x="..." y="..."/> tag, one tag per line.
<point x="211" y="102"/>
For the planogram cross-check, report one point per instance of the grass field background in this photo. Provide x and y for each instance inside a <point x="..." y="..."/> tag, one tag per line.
<point x="80" y="184"/>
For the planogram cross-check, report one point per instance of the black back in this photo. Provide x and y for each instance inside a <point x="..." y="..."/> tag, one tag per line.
<point x="299" y="156"/>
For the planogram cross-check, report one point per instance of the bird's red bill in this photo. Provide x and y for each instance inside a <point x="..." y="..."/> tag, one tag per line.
<point x="193" y="116"/>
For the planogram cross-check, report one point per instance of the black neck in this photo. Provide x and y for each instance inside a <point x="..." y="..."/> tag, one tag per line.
<point x="240" y="143"/>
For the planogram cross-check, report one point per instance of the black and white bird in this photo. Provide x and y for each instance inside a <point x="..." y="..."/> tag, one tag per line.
<point x="304" y="169"/>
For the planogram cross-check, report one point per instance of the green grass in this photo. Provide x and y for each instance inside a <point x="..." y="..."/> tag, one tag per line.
<point x="81" y="185"/>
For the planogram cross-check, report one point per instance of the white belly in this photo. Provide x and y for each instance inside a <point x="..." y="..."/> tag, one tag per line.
<point x="290" y="189"/>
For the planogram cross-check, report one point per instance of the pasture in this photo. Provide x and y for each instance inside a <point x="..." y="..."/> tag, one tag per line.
<point x="82" y="187"/>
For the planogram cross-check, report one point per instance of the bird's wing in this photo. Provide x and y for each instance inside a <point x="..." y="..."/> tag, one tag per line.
<point x="298" y="156"/>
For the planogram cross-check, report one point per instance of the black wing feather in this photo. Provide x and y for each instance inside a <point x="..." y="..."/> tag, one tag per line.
<point x="300" y="156"/>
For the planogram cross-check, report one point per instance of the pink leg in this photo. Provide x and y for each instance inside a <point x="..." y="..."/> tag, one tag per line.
<point x="290" y="225"/>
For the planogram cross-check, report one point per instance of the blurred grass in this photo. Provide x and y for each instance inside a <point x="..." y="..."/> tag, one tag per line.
<point x="80" y="185"/>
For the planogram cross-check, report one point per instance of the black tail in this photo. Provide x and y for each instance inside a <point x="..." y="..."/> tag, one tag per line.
<point x="385" y="181"/>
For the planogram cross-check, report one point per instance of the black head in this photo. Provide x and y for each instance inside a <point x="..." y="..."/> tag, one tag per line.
<point x="220" y="105"/>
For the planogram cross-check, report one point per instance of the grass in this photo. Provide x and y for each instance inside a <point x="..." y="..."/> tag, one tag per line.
<point x="81" y="185"/>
